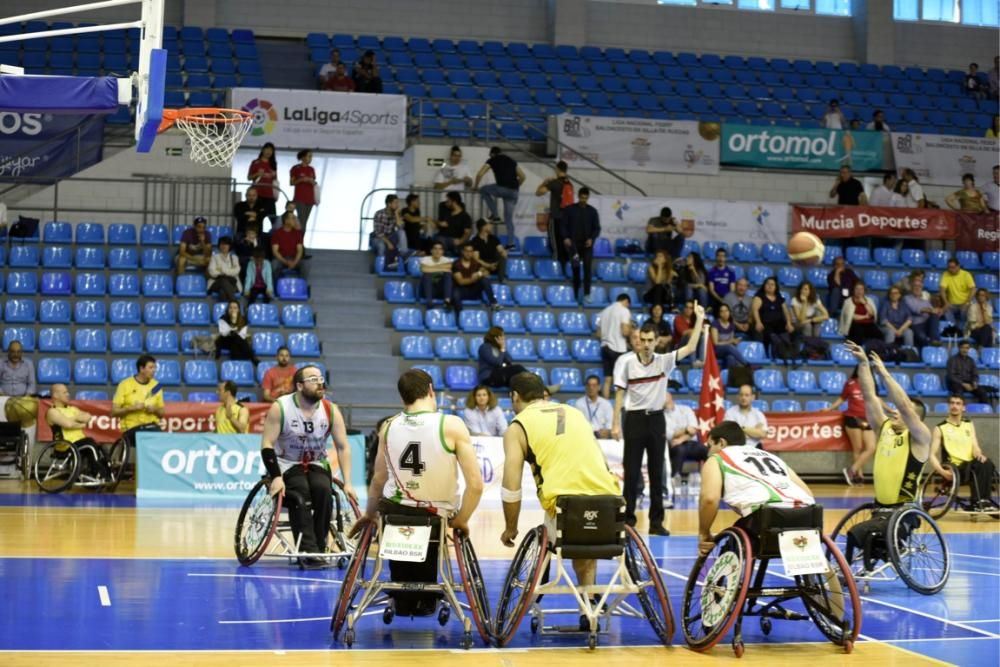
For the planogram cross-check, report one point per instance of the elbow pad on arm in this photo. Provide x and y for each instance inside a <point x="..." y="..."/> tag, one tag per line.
<point x="270" y="459"/>
<point x="508" y="496"/>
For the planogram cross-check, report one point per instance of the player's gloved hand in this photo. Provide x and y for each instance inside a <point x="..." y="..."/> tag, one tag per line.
<point x="278" y="486"/>
<point x="457" y="524"/>
<point x="359" y="525"/>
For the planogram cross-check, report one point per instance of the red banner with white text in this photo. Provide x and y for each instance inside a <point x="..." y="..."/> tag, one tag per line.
<point x="979" y="232"/>
<point x="839" y="222"/>
<point x="806" y="432"/>
<point x="179" y="418"/>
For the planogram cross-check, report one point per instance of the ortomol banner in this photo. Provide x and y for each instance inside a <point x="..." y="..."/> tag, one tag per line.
<point x="323" y="120"/>
<point x="800" y="148"/>
<point x="806" y="432"/>
<point x="838" y="222"/>
<point x="942" y="159"/>
<point x="640" y="144"/>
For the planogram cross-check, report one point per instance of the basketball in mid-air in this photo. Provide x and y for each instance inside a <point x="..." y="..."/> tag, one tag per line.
<point x="21" y="410"/>
<point x="805" y="249"/>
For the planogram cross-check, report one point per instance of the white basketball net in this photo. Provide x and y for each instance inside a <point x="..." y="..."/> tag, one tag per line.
<point x="215" y="135"/>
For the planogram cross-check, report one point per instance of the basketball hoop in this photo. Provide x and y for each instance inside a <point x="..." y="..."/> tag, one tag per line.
<point x="215" y="133"/>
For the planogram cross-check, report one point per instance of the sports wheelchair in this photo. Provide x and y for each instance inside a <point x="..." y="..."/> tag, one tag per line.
<point x="14" y="448"/>
<point x="62" y="464"/>
<point x="723" y="588"/>
<point x="902" y="541"/>
<point x="939" y="495"/>
<point x="586" y="527"/>
<point x="262" y="531"/>
<point x="427" y="588"/>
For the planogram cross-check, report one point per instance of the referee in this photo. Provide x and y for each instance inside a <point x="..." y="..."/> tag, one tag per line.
<point x="640" y="379"/>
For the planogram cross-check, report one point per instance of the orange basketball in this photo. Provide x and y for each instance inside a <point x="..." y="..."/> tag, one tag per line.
<point x="805" y="249"/>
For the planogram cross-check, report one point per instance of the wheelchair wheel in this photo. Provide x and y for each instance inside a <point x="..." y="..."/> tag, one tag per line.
<point x="257" y="522"/>
<point x="918" y="550"/>
<point x="56" y="467"/>
<point x="474" y="585"/>
<point x="519" y="586"/>
<point x="345" y="514"/>
<point x="716" y="589"/>
<point x="117" y="460"/>
<point x="856" y="516"/>
<point x="652" y="592"/>
<point x="832" y="599"/>
<point x="937" y="493"/>
<point x="353" y="580"/>
<point x="23" y="459"/>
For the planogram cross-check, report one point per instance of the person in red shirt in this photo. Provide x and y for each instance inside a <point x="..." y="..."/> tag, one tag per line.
<point x="264" y="175"/>
<point x="277" y="381"/>
<point x="286" y="246"/>
<point x="859" y="431"/>
<point x="339" y="81"/>
<point x="303" y="178"/>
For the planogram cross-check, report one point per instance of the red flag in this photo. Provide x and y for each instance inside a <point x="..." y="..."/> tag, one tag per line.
<point x="711" y="402"/>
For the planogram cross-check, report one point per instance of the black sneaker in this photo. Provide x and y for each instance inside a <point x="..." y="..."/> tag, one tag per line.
<point x="659" y="529"/>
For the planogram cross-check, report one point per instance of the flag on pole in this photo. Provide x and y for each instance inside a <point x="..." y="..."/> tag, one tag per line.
<point x="711" y="402"/>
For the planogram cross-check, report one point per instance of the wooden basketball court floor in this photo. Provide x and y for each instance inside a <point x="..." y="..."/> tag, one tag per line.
<point x="91" y="579"/>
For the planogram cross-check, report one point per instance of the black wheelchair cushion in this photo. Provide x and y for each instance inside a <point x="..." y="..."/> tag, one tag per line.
<point x="590" y="526"/>
<point x="414" y="603"/>
<point x="772" y="521"/>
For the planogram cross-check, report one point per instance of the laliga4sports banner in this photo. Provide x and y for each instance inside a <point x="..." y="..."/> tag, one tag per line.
<point x="941" y="159"/>
<point x="323" y="120"/>
<point x="806" y="432"/>
<point x="801" y="148"/>
<point x="838" y="222"/>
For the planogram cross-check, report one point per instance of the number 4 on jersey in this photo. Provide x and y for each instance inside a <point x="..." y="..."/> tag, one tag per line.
<point x="410" y="459"/>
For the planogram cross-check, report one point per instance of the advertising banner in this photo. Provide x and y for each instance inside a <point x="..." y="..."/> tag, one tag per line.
<point x="837" y="222"/>
<point x="806" y="432"/>
<point x="48" y="146"/>
<point x="640" y="144"/>
<point x="800" y="148"/>
<point x="979" y="232"/>
<point x="323" y="120"/>
<point x="941" y="159"/>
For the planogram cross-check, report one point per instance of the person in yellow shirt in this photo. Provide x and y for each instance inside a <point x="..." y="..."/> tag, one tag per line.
<point x="957" y="288"/>
<point x="138" y="401"/>
<point x="231" y="416"/>
<point x="67" y="423"/>
<point x="956" y="436"/>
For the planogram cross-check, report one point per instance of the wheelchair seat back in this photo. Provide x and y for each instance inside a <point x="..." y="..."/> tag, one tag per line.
<point x="590" y="526"/>
<point x="775" y="520"/>
<point x="10" y="440"/>
<point x="420" y="602"/>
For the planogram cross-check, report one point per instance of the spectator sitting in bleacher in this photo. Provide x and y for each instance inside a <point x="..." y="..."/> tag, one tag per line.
<point x="435" y="272"/>
<point x="263" y="173"/>
<point x="234" y="335"/>
<point x="663" y="233"/>
<point x="580" y="227"/>
<point x="751" y="420"/>
<point x="683" y="328"/>
<point x="456" y="227"/>
<point x="560" y="192"/>
<point x="224" y="272"/>
<point x="290" y="208"/>
<point x="367" y="77"/>
<point x="771" y="316"/>
<point x="694" y="278"/>
<point x="329" y="68"/>
<point x="992" y="191"/>
<point x="662" y="282"/>
<point x="277" y="381"/>
<point x="878" y="123"/>
<point x="196" y="247"/>
<point x="882" y="194"/>
<point x="859" y="317"/>
<point x="725" y="340"/>
<point x="231" y="416"/>
<point x="664" y="332"/>
<point x="248" y="243"/>
<point x="896" y="320"/>
<point x="979" y="325"/>
<point x="470" y="280"/>
<point x="17" y="374"/>
<point x="971" y="84"/>
<point x="287" y="248"/>
<point x="249" y="213"/>
<point x="833" y="117"/>
<point x="481" y="413"/>
<point x="957" y="287"/>
<point x="969" y="199"/>
<point x="338" y="81"/>
<point x="597" y="408"/>
<point x="257" y="283"/>
<point x="496" y="368"/>
<point x="453" y="176"/>
<point x="720" y="279"/>
<point x="840" y="282"/>
<point x="962" y="376"/>
<point x="808" y="311"/>
<point x="682" y="439"/>
<point x="416" y="226"/>
<point x="916" y="191"/>
<point x="740" y="303"/>
<point x="489" y="251"/>
<point x="925" y="315"/>
<point x="385" y="232"/>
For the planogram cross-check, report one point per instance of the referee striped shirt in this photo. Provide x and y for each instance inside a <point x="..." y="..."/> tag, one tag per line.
<point x="645" y="385"/>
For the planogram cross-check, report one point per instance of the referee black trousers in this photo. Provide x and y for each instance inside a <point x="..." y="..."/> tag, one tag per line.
<point x="644" y="434"/>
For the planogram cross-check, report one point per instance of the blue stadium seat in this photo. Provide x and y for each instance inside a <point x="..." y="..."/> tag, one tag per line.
<point x="54" y="311"/>
<point x="789" y="276"/>
<point x="574" y="324"/>
<point x="610" y="272"/>
<point x="560" y="296"/>
<point x="540" y="372"/>
<point x="439" y="320"/>
<point x="886" y="257"/>
<point x="803" y="382"/>
<point x="461" y="378"/>
<point x="554" y="350"/>
<point x="832" y="382"/>
<point x="191" y="286"/>
<point x="614" y="292"/>
<point x="154" y="235"/>
<point x="451" y="348"/>
<point x="876" y="279"/>
<point x="786" y="405"/>
<point x="123" y="258"/>
<point x="91" y="233"/>
<point x="932" y="281"/>
<point x="586" y="350"/>
<point x="757" y="274"/>
<point x="202" y="397"/>
<point x="979" y="409"/>
<point x="266" y="343"/>
<point x="828" y="329"/>
<point x="122" y="312"/>
<point x="195" y="314"/>
<point x="537" y="246"/>
<point x="934" y="357"/>
<point x="987" y="281"/>
<point x="124" y="284"/>
<point x="156" y="259"/>
<point x="55" y="257"/>
<point x="122" y="234"/>
<point x="630" y="248"/>
<point x="22" y="282"/>
<point x="769" y="381"/>
<point x="54" y="283"/>
<point x="90" y="371"/>
<point x="86" y="395"/>
<point x="603" y="249"/>
<point x="158" y="313"/>
<point x="240" y="372"/>
<point x="694" y="378"/>
<point x="403" y="319"/>
<point x="57" y="232"/>
<point x="969" y="260"/>
<point x="292" y="289"/>
<point x="54" y="339"/>
<point x="25" y="335"/>
<point x="304" y="344"/>
<point x="569" y="379"/>
<point x="473" y="321"/>
<point x="89" y="258"/>
<point x="510" y="321"/>
<point x="53" y="369"/>
<point x="541" y="322"/>
<point x="775" y="253"/>
<point x="398" y="291"/>
<point x="753" y="352"/>
<point x="990" y="358"/>
<point x="529" y="296"/>
<point x="746" y="252"/>
<point x="126" y="341"/>
<point x="519" y="269"/>
<point x="298" y="316"/>
<point x="162" y="341"/>
<point x="548" y="269"/>
<point x="200" y="373"/>
<point x="91" y="284"/>
<point x="437" y="379"/>
<point x="859" y="256"/>
<point x="157" y="285"/>
<point x="90" y="341"/>
<point x="19" y="310"/>
<point x="504" y="295"/>
<point x="938" y="258"/>
<point x="521" y="349"/>
<point x="121" y="369"/>
<point x="841" y="356"/>
<point x="991" y="260"/>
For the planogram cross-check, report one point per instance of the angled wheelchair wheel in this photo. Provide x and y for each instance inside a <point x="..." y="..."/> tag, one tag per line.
<point x="345" y="514"/>
<point x="832" y="598"/>
<point x="716" y="589"/>
<point x="519" y="586"/>
<point x="474" y="586"/>
<point x="856" y="516"/>
<point x="23" y="462"/>
<point x="918" y="551"/>
<point x="652" y="592"/>
<point x="257" y="522"/>
<point x="353" y="579"/>
<point x="117" y="460"/>
<point x="56" y="467"/>
<point x="937" y="493"/>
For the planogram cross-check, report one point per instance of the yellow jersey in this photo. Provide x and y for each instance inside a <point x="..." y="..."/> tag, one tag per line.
<point x="564" y="456"/>
<point x="130" y="391"/>
<point x="958" y="288"/>
<point x="957" y="440"/>
<point x="226" y="422"/>
<point x="70" y="434"/>
<point x="895" y="471"/>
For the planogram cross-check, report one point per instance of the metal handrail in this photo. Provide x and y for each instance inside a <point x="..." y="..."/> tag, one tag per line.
<point x="429" y="199"/>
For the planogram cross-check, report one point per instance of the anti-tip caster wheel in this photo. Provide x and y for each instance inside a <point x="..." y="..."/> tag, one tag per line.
<point x="349" y="637"/>
<point x="388" y="614"/>
<point x="765" y="625"/>
<point x="467" y="641"/>
<point x="592" y="641"/>
<point x="443" y="615"/>
<point x="342" y="562"/>
<point x="848" y="646"/>
<point x="534" y="625"/>
<point x="738" y="648"/>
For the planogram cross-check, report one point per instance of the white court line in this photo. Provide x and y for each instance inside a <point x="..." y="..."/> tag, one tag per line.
<point x="975" y="556"/>
<point x="985" y="574"/>
<point x="933" y="639"/>
<point x="986" y="620"/>
<point x="102" y="592"/>
<point x="672" y="574"/>
<point x="277" y="620"/>
<point x="262" y="576"/>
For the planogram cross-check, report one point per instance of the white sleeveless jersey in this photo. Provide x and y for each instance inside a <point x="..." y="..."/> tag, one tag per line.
<point x="752" y="478"/>
<point x="302" y="440"/>
<point x="423" y="471"/>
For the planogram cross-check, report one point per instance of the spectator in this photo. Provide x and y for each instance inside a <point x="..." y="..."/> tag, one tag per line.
<point x="877" y="122"/>
<point x="560" y="191"/>
<point x="971" y="84"/>
<point x="196" y="247"/>
<point x="17" y="374"/>
<point x="859" y="316"/>
<point x="695" y="279"/>
<point x="329" y="68"/>
<point x="508" y="177"/>
<point x="263" y="173"/>
<point x="993" y="131"/>
<point x="882" y="194"/>
<point x="234" y="335"/>
<point x="859" y="431"/>
<point x="138" y="400"/>
<point x="725" y="340"/>
<point x="848" y="190"/>
<point x="286" y="246"/>
<point x="385" y="232"/>
<point x="303" y="178"/>
<point x="683" y="323"/>
<point x="580" y="227"/>
<point x="808" y="311"/>
<point x="993" y="191"/>
<point x="957" y="288"/>
<point x="751" y="420"/>
<point x="597" y="408"/>
<point x="856" y="124"/>
<point x="833" y="117"/>
<point x="248" y="213"/>
<point x="720" y="279"/>
<point x="663" y="233"/>
<point x="224" y="271"/>
<point x="682" y="438"/>
<point x="895" y="319"/>
<point x="771" y="317"/>
<point x="979" y="325"/>
<point x="231" y="416"/>
<point x="277" y="381"/>
<point x="839" y="281"/>
<point x="496" y="368"/>
<point x="258" y="282"/>
<point x="740" y="303"/>
<point x="454" y="176"/>
<point x="969" y="199"/>
<point x="994" y="78"/>
<point x="290" y="208"/>
<point x="662" y="282"/>
<point x="615" y="323"/>
<point x="415" y="226"/>
<point x="962" y="377"/>
<point x="916" y="191"/>
<point x="470" y="280"/>
<point x="482" y="415"/>
<point x="924" y="315"/>
<point x="367" y="77"/>
<point x="435" y="276"/>
<point x="664" y="329"/>
<point x="339" y="82"/>
<point x="456" y="227"/>
<point x="489" y="251"/>
<point x="249" y="244"/>
<point x="901" y="197"/>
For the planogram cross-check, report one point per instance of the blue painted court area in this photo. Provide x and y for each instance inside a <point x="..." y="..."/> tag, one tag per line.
<point x="144" y="604"/>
